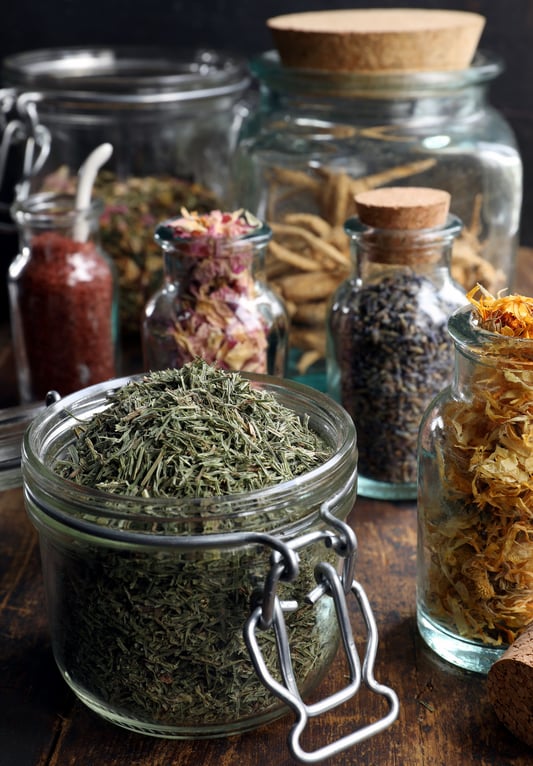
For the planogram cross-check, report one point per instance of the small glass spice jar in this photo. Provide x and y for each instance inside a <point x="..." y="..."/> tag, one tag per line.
<point x="62" y="298"/>
<point x="475" y="530"/>
<point x="212" y="305"/>
<point x="147" y="597"/>
<point x="389" y="352"/>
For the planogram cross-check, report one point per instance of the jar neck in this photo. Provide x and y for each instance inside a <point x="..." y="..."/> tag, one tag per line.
<point x="42" y="214"/>
<point x="488" y="364"/>
<point x="424" y="251"/>
<point x="224" y="264"/>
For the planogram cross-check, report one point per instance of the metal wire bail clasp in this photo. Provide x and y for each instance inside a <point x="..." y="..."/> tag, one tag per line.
<point x="269" y="614"/>
<point x="38" y="141"/>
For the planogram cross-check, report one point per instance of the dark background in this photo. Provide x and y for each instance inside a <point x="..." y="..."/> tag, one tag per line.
<point x="240" y="26"/>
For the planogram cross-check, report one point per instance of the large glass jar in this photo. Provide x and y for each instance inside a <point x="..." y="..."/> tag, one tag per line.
<point x="389" y="353"/>
<point x="147" y="597"/>
<point x="318" y="138"/>
<point x="475" y="531"/>
<point x="212" y="304"/>
<point x="171" y="117"/>
<point x="63" y="298"/>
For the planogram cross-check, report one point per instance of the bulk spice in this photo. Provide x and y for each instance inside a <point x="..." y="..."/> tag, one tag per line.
<point x="159" y="634"/>
<point x="209" y="306"/>
<point x="63" y="300"/>
<point x="477" y="521"/>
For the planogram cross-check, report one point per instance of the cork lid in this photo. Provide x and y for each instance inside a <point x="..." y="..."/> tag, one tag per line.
<point x="377" y="40"/>
<point x="403" y="207"/>
<point x="510" y="687"/>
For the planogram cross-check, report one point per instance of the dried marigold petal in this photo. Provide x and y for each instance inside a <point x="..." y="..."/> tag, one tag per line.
<point x="508" y="315"/>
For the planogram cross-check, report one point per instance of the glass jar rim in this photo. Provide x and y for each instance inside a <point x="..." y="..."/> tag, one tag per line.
<point x="51" y="430"/>
<point x="165" y="237"/>
<point x="51" y="209"/>
<point x="475" y="341"/>
<point x="267" y="67"/>
<point x="126" y="74"/>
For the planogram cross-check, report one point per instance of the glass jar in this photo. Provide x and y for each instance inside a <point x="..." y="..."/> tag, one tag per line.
<point x="389" y="352"/>
<point x="212" y="306"/>
<point x="319" y="138"/>
<point x="147" y="598"/>
<point x="475" y="543"/>
<point x="171" y="117"/>
<point x="62" y="292"/>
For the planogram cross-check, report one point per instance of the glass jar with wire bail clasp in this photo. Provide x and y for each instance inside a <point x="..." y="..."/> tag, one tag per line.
<point x="389" y="352"/>
<point x="169" y="579"/>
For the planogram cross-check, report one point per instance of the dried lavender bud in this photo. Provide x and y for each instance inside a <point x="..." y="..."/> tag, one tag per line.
<point x="394" y="355"/>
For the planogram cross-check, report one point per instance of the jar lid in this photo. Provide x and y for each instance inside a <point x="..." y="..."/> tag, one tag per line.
<point x="403" y="207"/>
<point x="377" y="40"/>
<point x="137" y="74"/>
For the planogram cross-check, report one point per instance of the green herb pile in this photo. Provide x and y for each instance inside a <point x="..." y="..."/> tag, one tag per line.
<point x="191" y="432"/>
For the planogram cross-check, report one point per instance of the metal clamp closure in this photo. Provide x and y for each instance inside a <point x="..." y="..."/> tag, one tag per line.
<point x="38" y="141"/>
<point x="270" y="614"/>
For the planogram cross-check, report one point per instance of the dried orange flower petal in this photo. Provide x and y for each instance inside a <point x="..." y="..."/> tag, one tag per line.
<point x="510" y="315"/>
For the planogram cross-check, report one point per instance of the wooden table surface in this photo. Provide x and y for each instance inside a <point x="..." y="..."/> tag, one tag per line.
<point x="445" y="717"/>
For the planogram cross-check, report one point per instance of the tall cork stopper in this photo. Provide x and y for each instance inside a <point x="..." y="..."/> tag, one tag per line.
<point x="403" y="207"/>
<point x="510" y="687"/>
<point x="378" y="40"/>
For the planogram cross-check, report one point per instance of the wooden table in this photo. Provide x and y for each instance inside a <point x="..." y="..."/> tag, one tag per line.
<point x="445" y="717"/>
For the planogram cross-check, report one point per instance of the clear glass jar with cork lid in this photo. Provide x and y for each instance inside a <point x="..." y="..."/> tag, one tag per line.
<point x="344" y="110"/>
<point x="389" y="353"/>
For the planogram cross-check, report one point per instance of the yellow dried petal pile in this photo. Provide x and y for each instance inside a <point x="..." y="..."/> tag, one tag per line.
<point x="509" y="315"/>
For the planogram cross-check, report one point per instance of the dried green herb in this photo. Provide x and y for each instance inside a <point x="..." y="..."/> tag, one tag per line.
<point x="192" y="432"/>
<point x="153" y="638"/>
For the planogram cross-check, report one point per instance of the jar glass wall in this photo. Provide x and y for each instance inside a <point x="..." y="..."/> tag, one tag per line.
<point x="319" y="138"/>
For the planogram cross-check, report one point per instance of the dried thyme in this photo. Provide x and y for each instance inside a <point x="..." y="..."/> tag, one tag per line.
<point x="191" y="433"/>
<point x="155" y="636"/>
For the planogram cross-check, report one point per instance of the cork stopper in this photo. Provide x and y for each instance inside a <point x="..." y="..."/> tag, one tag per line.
<point x="377" y="40"/>
<point x="510" y="687"/>
<point x="403" y="207"/>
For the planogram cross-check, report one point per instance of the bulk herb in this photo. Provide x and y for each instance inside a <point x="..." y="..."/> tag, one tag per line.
<point x="211" y="305"/>
<point x="62" y="295"/>
<point x="478" y="526"/>
<point x="156" y="635"/>
<point x="133" y="206"/>
<point x="191" y="433"/>
<point x="394" y="355"/>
